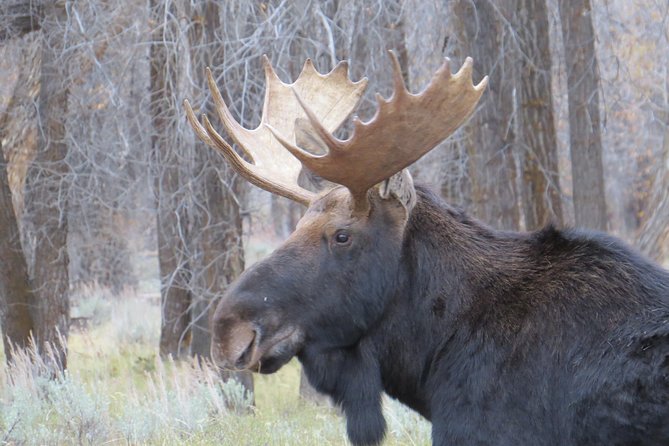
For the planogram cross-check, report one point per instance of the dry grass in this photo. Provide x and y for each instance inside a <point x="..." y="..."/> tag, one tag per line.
<point x="117" y="391"/>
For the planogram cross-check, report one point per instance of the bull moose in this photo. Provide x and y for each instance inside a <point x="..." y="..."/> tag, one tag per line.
<point x="553" y="337"/>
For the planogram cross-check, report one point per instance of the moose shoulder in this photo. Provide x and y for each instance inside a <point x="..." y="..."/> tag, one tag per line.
<point x="552" y="337"/>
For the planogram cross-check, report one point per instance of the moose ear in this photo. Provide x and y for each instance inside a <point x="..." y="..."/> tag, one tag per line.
<point x="401" y="187"/>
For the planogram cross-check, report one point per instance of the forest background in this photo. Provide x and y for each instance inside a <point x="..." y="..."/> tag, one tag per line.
<point x="119" y="230"/>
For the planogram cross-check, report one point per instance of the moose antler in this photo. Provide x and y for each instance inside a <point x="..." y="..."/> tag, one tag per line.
<point x="333" y="97"/>
<point x="405" y="127"/>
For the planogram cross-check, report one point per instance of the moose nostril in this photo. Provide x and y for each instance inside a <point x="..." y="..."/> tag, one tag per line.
<point x="247" y="354"/>
<point x="234" y="343"/>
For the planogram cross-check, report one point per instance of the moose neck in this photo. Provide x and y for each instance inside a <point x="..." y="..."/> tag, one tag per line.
<point x="452" y="265"/>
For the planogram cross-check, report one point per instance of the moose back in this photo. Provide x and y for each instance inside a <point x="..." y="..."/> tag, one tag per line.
<point x="499" y="338"/>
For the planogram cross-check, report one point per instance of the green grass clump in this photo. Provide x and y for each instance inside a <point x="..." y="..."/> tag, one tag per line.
<point x="117" y="391"/>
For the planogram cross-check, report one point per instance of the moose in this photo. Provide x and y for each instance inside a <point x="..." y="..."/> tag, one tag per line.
<point x="553" y="337"/>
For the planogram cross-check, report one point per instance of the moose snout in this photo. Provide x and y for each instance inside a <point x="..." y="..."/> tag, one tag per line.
<point x="234" y="344"/>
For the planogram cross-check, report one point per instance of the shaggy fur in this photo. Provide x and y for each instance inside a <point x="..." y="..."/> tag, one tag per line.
<point x="499" y="338"/>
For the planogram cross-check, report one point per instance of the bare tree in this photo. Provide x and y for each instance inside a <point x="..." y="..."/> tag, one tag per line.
<point x="104" y="149"/>
<point x="215" y="232"/>
<point x="653" y="235"/>
<point x="46" y="194"/>
<point x="536" y="138"/>
<point x="167" y="86"/>
<point x="16" y="297"/>
<point x="484" y="35"/>
<point x="584" y="122"/>
<point x="17" y="301"/>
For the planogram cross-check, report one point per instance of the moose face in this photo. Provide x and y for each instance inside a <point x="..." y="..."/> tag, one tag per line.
<point x="329" y="282"/>
<point x="325" y="286"/>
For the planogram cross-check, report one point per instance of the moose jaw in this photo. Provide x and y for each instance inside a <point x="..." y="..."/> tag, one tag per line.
<point x="551" y="337"/>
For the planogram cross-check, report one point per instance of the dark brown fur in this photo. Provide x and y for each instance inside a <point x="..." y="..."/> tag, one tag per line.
<point x="546" y="338"/>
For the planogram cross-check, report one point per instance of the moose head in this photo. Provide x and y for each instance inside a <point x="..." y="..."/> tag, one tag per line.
<point x="331" y="283"/>
<point x="327" y="283"/>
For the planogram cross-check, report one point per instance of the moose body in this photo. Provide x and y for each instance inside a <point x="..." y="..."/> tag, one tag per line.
<point x="546" y="338"/>
<point x="499" y="338"/>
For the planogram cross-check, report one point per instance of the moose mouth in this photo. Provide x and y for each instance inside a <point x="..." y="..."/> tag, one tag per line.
<point x="249" y="350"/>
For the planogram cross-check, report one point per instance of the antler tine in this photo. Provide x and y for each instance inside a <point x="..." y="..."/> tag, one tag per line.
<point x="223" y="112"/>
<point x="197" y="127"/>
<point x="398" y="79"/>
<point x="271" y="167"/>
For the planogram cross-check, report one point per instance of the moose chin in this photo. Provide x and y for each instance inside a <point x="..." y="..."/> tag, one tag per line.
<point x="554" y="337"/>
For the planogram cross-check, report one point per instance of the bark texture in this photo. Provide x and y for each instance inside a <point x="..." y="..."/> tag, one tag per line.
<point x="536" y="136"/>
<point x="16" y="298"/>
<point x="584" y="123"/>
<point x="17" y="302"/>
<point x="653" y="235"/>
<point x="171" y="215"/>
<point x="46" y="197"/>
<point x="489" y="136"/>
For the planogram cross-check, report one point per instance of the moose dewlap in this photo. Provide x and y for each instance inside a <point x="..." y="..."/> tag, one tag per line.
<point x="544" y="338"/>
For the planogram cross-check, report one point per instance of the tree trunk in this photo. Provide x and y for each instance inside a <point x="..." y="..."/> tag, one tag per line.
<point x="489" y="134"/>
<point x="46" y="197"/>
<point x="536" y="127"/>
<point x="171" y="216"/>
<point x="653" y="236"/>
<point x="584" y="127"/>
<point x="17" y="302"/>
<point x="174" y="275"/>
<point x="216" y="223"/>
<point x="16" y="298"/>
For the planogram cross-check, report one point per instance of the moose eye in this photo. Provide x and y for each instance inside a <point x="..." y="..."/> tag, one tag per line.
<point x="342" y="238"/>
